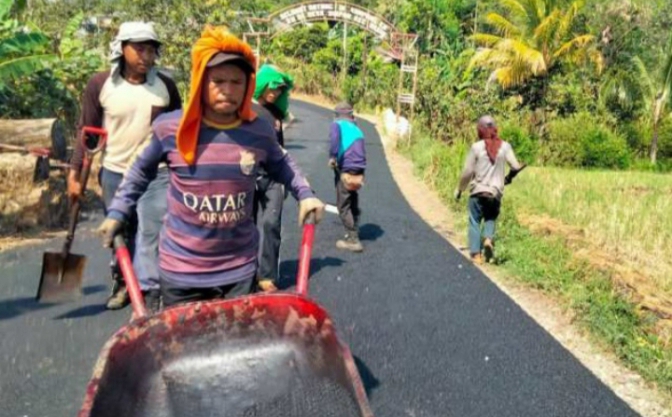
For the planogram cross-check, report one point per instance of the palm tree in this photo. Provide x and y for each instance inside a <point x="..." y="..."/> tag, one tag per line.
<point x="22" y="51"/>
<point x="530" y="39"/>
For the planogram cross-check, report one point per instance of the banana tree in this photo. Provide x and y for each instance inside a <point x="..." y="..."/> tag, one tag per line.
<point x="22" y="50"/>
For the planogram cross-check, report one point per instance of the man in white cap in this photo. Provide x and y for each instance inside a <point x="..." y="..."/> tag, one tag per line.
<point x="125" y="101"/>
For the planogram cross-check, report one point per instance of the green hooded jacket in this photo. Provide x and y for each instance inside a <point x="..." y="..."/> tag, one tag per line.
<point x="269" y="76"/>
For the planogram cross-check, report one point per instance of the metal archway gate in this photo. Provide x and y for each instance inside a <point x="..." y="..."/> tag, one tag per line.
<point x="402" y="45"/>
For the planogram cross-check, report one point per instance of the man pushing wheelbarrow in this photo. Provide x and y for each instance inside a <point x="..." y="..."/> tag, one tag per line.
<point x="259" y="355"/>
<point x="214" y="148"/>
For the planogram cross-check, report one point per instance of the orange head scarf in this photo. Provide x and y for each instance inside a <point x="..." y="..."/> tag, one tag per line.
<point x="212" y="41"/>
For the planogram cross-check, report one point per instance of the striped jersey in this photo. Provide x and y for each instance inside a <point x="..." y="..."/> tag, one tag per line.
<point x="209" y="237"/>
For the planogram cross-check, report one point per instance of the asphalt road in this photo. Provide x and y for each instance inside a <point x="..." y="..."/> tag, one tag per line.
<point x="432" y="336"/>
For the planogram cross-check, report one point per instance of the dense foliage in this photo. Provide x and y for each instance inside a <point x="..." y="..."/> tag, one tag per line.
<point x="579" y="83"/>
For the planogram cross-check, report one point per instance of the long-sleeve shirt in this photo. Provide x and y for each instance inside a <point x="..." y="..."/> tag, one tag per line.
<point x="277" y="123"/>
<point x="126" y="111"/>
<point x="267" y="113"/>
<point x="209" y="237"/>
<point x="481" y="175"/>
<point x="346" y="146"/>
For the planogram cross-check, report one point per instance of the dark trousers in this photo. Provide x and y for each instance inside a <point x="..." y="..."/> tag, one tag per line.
<point x="348" y="206"/>
<point x="173" y="295"/>
<point x="109" y="182"/>
<point x="152" y="208"/>
<point x="269" y="199"/>
<point x="482" y="208"/>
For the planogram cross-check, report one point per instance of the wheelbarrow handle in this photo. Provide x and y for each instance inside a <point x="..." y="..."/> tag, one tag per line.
<point x="126" y="265"/>
<point x="305" y="253"/>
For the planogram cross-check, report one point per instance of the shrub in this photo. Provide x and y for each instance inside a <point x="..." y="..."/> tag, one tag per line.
<point x="523" y="144"/>
<point x="582" y="141"/>
<point x="563" y="146"/>
<point x="602" y="148"/>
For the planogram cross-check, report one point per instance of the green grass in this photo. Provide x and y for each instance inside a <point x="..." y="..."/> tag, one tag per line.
<point x="623" y="222"/>
<point x="622" y="213"/>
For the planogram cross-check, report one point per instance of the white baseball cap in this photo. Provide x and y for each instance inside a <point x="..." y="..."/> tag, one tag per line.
<point x="137" y="32"/>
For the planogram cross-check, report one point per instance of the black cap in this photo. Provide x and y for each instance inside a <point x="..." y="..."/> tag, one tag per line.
<point x="234" y="59"/>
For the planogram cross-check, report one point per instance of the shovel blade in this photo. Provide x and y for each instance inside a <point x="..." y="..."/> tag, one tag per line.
<point x="54" y="288"/>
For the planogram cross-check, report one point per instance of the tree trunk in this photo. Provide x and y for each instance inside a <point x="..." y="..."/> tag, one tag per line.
<point x="653" y="152"/>
<point x="41" y="133"/>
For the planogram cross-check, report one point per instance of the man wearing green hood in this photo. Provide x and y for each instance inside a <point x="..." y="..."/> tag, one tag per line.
<point x="271" y="93"/>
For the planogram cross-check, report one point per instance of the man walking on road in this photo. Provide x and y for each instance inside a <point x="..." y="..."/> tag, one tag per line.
<point x="125" y="100"/>
<point x="272" y="93"/>
<point x="214" y="148"/>
<point x="347" y="157"/>
<point x="484" y="174"/>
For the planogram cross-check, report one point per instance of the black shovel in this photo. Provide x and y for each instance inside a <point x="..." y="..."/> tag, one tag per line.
<point x="62" y="272"/>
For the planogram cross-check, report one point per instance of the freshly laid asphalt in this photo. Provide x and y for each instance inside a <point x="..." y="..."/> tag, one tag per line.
<point x="431" y="335"/>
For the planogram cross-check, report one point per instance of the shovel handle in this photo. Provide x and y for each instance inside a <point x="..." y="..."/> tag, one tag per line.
<point x="83" y="179"/>
<point x="76" y="204"/>
<point x="305" y="252"/>
<point x="134" y="292"/>
<point x="100" y="144"/>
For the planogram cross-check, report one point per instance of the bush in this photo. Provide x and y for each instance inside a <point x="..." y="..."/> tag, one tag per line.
<point x="582" y="141"/>
<point x="664" y="140"/>
<point x="638" y="135"/>
<point x="307" y="78"/>
<point x="644" y="164"/>
<point x="302" y="42"/>
<point x="524" y="145"/>
<point x="602" y="148"/>
<point x="377" y="89"/>
<point x="563" y="146"/>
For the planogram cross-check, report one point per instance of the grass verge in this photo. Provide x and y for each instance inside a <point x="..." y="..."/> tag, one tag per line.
<point x="569" y="243"/>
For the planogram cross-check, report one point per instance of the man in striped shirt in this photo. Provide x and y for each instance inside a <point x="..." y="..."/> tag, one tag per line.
<point x="214" y="149"/>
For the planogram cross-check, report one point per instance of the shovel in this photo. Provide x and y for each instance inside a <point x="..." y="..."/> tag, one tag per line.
<point x="62" y="272"/>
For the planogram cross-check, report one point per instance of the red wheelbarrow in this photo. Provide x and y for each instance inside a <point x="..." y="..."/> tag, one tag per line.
<point x="274" y="355"/>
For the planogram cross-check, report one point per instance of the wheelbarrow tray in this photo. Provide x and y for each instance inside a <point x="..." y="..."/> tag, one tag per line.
<point x="262" y="355"/>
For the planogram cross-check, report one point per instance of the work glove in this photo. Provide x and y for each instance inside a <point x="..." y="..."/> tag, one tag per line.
<point x="512" y="174"/>
<point x="457" y="195"/>
<point x="332" y="163"/>
<point x="108" y="230"/>
<point x="308" y="205"/>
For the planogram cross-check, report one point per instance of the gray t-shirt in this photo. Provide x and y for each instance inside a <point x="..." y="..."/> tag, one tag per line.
<point x="481" y="175"/>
